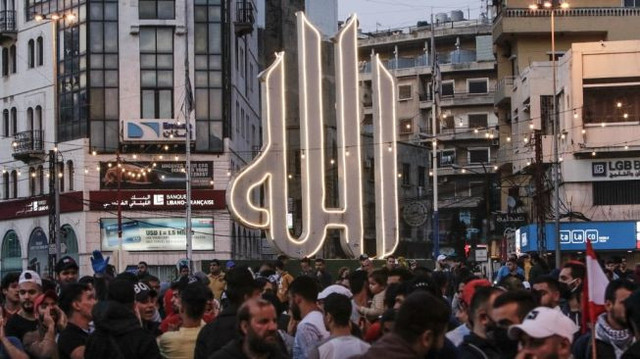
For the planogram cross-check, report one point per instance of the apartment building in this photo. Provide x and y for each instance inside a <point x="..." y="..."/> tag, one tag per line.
<point x="466" y="126"/>
<point x="587" y="96"/>
<point x="95" y="93"/>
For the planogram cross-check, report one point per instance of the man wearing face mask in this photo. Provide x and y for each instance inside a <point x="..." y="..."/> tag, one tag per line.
<point x="476" y="344"/>
<point x="509" y="308"/>
<point x="571" y="278"/>
<point x="613" y="336"/>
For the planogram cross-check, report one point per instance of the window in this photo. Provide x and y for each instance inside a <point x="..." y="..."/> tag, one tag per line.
<point x="406" y="174"/>
<point x="40" y="180"/>
<point x="616" y="193"/>
<point x="477" y="85"/>
<point x="61" y="176"/>
<point x="237" y="117"/>
<point x="5" y="183"/>
<point x="14" y="121"/>
<point x="478" y="120"/>
<point x="38" y="118"/>
<point x="546" y="108"/>
<point x="71" y="172"/>
<point x="31" y="55"/>
<point x="619" y="102"/>
<point x="40" y="51"/>
<point x="478" y="155"/>
<point x="156" y="9"/>
<point x="631" y="3"/>
<point x="5" y="62"/>
<point x="14" y="184"/>
<point x="406" y="126"/>
<point x="156" y="72"/>
<point x="404" y="92"/>
<point x="32" y="182"/>
<point x="5" y="123"/>
<point x="446" y="88"/>
<point x="242" y="122"/>
<point x="447" y="157"/>
<point x="12" y="54"/>
<point x="251" y="77"/>
<point x="30" y="119"/>
<point x="422" y="176"/>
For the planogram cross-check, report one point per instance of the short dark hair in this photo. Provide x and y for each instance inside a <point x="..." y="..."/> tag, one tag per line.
<point x="240" y="283"/>
<point x="480" y="299"/>
<point x="578" y="269"/>
<point x="194" y="300"/>
<point x="550" y="281"/>
<point x="87" y="279"/>
<point x="70" y="293"/>
<point x="390" y="294"/>
<point x="319" y="260"/>
<point x="391" y="256"/>
<point x="525" y="300"/>
<point x="357" y="281"/>
<point x="339" y="306"/>
<point x="306" y="287"/>
<point x="143" y="262"/>
<point x="421" y="311"/>
<point x="305" y="260"/>
<point x="8" y="279"/>
<point x="150" y="278"/>
<point x="379" y="276"/>
<point x="614" y="285"/>
<point x="279" y="264"/>
<point x="403" y="273"/>
<point x="214" y="261"/>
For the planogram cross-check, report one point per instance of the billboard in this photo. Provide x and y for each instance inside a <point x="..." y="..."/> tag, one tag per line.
<point x="154" y="175"/>
<point x="154" y="131"/>
<point x="623" y="235"/>
<point x="156" y="234"/>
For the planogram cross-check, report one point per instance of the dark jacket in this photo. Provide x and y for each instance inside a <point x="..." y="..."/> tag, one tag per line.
<point x="233" y="350"/>
<point x="215" y="335"/>
<point x="582" y="348"/>
<point x="474" y="347"/>
<point x="391" y="345"/>
<point x="118" y="334"/>
<point x="633" y="352"/>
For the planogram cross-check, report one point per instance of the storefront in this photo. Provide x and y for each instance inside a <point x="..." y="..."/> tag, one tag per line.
<point x="614" y="237"/>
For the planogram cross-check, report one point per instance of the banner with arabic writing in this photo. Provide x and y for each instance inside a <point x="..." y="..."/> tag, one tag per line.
<point x="156" y="234"/>
<point x="154" y="175"/>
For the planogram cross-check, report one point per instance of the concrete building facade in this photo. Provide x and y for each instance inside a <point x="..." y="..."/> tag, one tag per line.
<point x="101" y="92"/>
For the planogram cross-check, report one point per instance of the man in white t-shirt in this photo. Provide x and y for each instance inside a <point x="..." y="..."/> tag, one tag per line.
<point x="303" y="293"/>
<point x="341" y="344"/>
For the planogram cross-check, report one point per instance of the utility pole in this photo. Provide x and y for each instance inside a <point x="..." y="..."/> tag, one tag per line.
<point x="121" y="171"/>
<point x="539" y="199"/>
<point x="188" y="107"/>
<point x="54" y="211"/>
<point x="435" y="89"/>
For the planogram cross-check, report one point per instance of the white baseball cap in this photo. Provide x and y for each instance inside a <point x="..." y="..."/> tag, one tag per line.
<point x="29" y="276"/>
<point x="441" y="258"/>
<point x="335" y="288"/>
<point x="543" y="322"/>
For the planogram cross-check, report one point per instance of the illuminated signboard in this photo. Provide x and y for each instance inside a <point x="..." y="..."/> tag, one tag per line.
<point x="574" y="236"/>
<point x="156" y="234"/>
<point x="153" y="175"/>
<point x="270" y="167"/>
<point x="146" y="200"/>
<point x="154" y="131"/>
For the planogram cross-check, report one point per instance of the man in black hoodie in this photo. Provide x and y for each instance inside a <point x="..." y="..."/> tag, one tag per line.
<point x="476" y="344"/>
<point x="213" y="336"/>
<point x="118" y="331"/>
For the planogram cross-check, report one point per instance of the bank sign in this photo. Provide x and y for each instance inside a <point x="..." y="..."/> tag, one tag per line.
<point x="615" y="169"/>
<point x="624" y="235"/>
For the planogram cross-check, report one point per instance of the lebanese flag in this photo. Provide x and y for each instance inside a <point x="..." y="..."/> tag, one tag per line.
<point x="594" y="288"/>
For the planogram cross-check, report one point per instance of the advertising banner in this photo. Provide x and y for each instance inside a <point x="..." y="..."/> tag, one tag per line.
<point x="146" y="200"/>
<point x="154" y="175"/>
<point x="154" y="131"/>
<point x="156" y="234"/>
<point x="614" y="169"/>
<point x="623" y="235"/>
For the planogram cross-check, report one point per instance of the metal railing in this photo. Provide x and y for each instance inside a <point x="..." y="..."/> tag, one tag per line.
<point x="244" y="12"/>
<point x="596" y="11"/>
<point x="28" y="142"/>
<point x="7" y="21"/>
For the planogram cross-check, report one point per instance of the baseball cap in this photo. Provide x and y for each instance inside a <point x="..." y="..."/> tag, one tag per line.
<point x="543" y="322"/>
<point x="48" y="294"/>
<point x="30" y="276"/>
<point x="65" y="263"/>
<point x="230" y="264"/>
<point x="334" y="288"/>
<point x="143" y="291"/>
<point x="441" y="257"/>
<point x="470" y="289"/>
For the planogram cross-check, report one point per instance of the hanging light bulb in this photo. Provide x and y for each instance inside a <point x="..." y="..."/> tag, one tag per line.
<point x="399" y="175"/>
<point x="86" y="170"/>
<point x="584" y="131"/>
<point x="626" y="147"/>
<point x="135" y="156"/>
<point x="160" y="156"/>
<point x="593" y="153"/>
<point x="302" y="155"/>
<point x="475" y="130"/>
<point x="526" y="140"/>
<point x="531" y="126"/>
<point x="390" y="148"/>
<point x="347" y="153"/>
<point x="430" y="173"/>
<point x="332" y="161"/>
<point x="626" y="115"/>
<point x="619" y="104"/>
<point x="508" y="139"/>
<point x="94" y="153"/>
<point x="290" y="176"/>
<point x="603" y="124"/>
<point x="495" y="168"/>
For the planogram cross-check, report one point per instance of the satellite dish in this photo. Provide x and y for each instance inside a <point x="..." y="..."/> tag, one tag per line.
<point x="511" y="202"/>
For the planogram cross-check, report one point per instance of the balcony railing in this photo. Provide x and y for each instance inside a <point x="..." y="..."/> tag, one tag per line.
<point x="245" y="17"/>
<point x="28" y="143"/>
<point x="504" y="89"/>
<point x="596" y="11"/>
<point x="7" y="21"/>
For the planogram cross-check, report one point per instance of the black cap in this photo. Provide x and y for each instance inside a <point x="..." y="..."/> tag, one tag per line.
<point x="143" y="291"/>
<point x="65" y="263"/>
<point x="121" y="290"/>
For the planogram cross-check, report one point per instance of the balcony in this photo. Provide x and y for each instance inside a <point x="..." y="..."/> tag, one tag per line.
<point x="245" y="18"/>
<point x="593" y="20"/>
<point x="467" y="99"/>
<point x="28" y="145"/>
<point x="8" y="31"/>
<point x="504" y="89"/>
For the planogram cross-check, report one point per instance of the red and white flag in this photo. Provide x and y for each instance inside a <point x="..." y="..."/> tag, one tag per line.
<point x="595" y="286"/>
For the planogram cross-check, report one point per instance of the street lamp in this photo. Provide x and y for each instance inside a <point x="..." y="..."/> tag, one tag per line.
<point x="552" y="6"/>
<point x="54" y="228"/>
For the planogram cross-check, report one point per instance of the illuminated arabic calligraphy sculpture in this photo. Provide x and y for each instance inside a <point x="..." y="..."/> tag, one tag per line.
<point x="270" y="167"/>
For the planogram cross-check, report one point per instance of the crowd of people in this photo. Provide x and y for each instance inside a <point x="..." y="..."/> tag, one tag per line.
<point x="399" y="310"/>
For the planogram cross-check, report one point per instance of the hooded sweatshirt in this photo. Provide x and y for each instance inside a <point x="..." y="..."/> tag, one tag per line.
<point x="118" y="334"/>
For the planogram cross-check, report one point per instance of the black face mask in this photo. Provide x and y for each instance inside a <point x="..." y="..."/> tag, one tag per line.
<point x="499" y="338"/>
<point x="565" y="291"/>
